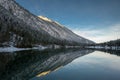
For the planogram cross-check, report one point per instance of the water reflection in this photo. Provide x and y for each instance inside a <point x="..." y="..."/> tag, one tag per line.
<point x="24" y="65"/>
<point x="94" y="66"/>
<point x="114" y="52"/>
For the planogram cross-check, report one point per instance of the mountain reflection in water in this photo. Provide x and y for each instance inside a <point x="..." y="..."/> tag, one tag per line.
<point x="24" y="65"/>
<point x="98" y="65"/>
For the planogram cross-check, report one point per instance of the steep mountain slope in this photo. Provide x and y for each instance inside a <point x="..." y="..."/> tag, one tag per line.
<point x="15" y="32"/>
<point x="31" y="29"/>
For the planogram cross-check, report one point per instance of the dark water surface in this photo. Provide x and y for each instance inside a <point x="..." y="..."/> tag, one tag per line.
<point x="60" y="64"/>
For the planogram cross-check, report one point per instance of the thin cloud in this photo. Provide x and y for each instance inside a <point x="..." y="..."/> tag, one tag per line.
<point x="100" y="35"/>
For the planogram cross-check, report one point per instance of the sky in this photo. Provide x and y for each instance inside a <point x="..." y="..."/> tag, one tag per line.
<point x="97" y="20"/>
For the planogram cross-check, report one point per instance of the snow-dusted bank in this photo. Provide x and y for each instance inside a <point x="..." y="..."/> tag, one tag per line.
<point x="37" y="47"/>
<point x="13" y="49"/>
<point x="104" y="47"/>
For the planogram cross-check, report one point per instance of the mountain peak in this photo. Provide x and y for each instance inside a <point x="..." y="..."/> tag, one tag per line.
<point x="45" y="18"/>
<point x="49" y="20"/>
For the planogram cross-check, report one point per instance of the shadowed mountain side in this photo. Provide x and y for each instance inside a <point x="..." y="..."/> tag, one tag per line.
<point x="27" y="64"/>
<point x="23" y="29"/>
<point x="14" y="31"/>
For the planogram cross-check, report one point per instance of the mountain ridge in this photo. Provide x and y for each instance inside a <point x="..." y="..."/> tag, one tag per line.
<point x="54" y="32"/>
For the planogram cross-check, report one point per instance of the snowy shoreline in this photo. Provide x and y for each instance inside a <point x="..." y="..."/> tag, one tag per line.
<point x="106" y="47"/>
<point x="13" y="49"/>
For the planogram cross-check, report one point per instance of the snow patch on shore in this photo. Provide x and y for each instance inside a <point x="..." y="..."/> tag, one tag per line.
<point x="13" y="49"/>
<point x="105" y="47"/>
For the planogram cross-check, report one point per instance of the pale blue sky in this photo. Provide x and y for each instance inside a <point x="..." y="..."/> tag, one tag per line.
<point x="98" y="20"/>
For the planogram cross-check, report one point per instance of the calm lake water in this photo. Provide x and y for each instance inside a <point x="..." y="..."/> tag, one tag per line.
<point x="60" y="64"/>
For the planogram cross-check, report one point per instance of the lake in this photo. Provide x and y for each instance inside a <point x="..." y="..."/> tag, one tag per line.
<point x="60" y="64"/>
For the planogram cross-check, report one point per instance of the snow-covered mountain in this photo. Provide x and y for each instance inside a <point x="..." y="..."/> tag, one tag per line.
<point x="19" y="27"/>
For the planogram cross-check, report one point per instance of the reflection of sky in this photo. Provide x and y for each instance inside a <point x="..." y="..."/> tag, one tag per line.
<point x="97" y="20"/>
<point x="101" y="59"/>
<point x="94" y="66"/>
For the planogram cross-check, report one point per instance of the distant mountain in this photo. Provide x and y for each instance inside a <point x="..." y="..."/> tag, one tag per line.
<point x="109" y="46"/>
<point x="20" y="28"/>
<point x="111" y="43"/>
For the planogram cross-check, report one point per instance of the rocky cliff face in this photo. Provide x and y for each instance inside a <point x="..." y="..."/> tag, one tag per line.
<point x="24" y="27"/>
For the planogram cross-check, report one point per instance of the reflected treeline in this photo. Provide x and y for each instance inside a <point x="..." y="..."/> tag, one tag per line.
<point x="111" y="51"/>
<point x="24" y="65"/>
<point x="114" y="52"/>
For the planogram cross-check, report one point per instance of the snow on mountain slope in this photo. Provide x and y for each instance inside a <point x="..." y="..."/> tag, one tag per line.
<point x="15" y="32"/>
<point x="62" y="32"/>
<point x="54" y="29"/>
